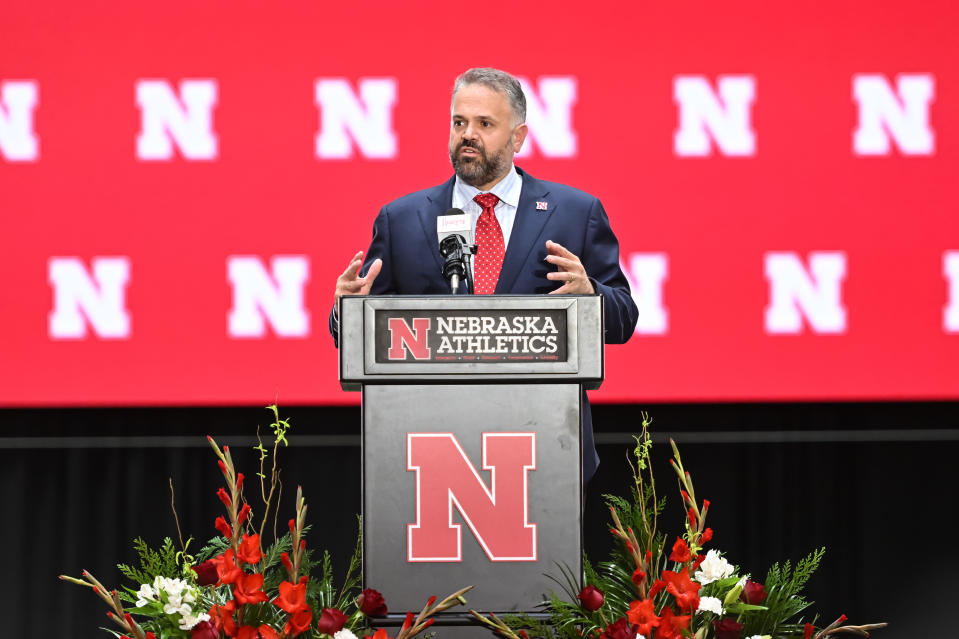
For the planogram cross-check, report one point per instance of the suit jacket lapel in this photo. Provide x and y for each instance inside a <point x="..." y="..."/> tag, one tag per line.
<point x="527" y="227"/>
<point x="438" y="200"/>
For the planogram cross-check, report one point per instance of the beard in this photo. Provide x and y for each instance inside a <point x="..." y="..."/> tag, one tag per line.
<point x="480" y="169"/>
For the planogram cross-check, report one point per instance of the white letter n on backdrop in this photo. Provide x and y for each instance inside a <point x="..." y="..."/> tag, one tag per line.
<point x="79" y="298"/>
<point x="18" y="141"/>
<point x="549" y="114"/>
<point x="902" y="115"/>
<point x="185" y="119"/>
<point x="366" y="120"/>
<point x="950" y="269"/>
<point x="275" y="296"/>
<point x="646" y="273"/>
<point x="725" y="118"/>
<point x="795" y="293"/>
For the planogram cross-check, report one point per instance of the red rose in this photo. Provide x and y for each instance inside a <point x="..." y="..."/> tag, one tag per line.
<point x="206" y="574"/>
<point x="727" y="628"/>
<point x="204" y="630"/>
<point x="619" y="629"/>
<point x="299" y="622"/>
<point x="753" y="592"/>
<point x="591" y="598"/>
<point x="331" y="621"/>
<point x="371" y="603"/>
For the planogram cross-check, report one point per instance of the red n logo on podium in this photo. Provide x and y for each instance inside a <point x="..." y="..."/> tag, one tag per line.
<point x="497" y="515"/>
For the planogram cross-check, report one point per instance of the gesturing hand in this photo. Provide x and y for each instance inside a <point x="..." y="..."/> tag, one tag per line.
<point x="570" y="270"/>
<point x="350" y="282"/>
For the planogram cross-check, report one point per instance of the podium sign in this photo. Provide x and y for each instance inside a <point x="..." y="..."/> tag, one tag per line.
<point x="472" y="465"/>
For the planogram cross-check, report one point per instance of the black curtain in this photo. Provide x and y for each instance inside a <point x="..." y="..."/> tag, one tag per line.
<point x="875" y="483"/>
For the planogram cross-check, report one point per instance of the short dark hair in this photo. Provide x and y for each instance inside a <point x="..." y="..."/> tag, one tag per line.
<point x="498" y="81"/>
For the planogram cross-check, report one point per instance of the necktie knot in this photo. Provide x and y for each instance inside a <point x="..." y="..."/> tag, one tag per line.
<point x="486" y="200"/>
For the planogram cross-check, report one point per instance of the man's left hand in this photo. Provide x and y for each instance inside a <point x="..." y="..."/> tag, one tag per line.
<point x="569" y="271"/>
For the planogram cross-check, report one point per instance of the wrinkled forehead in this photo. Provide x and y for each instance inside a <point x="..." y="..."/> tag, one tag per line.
<point x="480" y="100"/>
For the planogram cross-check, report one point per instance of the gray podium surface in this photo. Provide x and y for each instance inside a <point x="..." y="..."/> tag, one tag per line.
<point x="472" y="469"/>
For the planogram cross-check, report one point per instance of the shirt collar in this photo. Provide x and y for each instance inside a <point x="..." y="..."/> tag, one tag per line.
<point x="507" y="190"/>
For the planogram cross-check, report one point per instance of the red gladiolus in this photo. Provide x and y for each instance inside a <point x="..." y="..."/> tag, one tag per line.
<point x="699" y="559"/>
<point x="226" y="567"/>
<point x="807" y="630"/>
<point x="239" y="482"/>
<point x="619" y="629"/>
<point x="206" y="574"/>
<point x="222" y="618"/>
<point x="692" y="519"/>
<point x="705" y="505"/>
<point x="379" y="634"/>
<point x="643" y="615"/>
<point x="331" y="621"/>
<point x="224" y="498"/>
<point x="680" y="552"/>
<point x="408" y="621"/>
<point x="706" y="536"/>
<point x="638" y="577"/>
<point x="658" y="585"/>
<point x="671" y="626"/>
<point x="249" y="551"/>
<point x="683" y="589"/>
<point x="292" y="598"/>
<point x="248" y="589"/>
<point x="243" y="514"/>
<point x="204" y="630"/>
<point x="285" y="558"/>
<point x="371" y="603"/>
<point x="299" y="622"/>
<point x="223" y="527"/>
<point x="591" y="598"/>
<point x="292" y="525"/>
<point x="222" y="466"/>
<point x="263" y="632"/>
<point x="727" y="628"/>
<point x="753" y="592"/>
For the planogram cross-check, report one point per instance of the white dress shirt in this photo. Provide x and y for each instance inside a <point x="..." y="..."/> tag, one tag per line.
<point x="507" y="190"/>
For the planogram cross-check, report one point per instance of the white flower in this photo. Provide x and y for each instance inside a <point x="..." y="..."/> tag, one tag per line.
<point x="344" y="634"/>
<point x="145" y="595"/>
<point x="713" y="568"/>
<point x="710" y="604"/>
<point x="759" y="637"/>
<point x="188" y="620"/>
<point x="639" y="636"/>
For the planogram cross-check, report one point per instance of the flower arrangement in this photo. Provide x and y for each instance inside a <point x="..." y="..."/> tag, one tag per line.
<point x="233" y="587"/>
<point x="649" y="589"/>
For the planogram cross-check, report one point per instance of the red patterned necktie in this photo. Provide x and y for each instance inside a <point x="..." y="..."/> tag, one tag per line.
<point x="491" y="248"/>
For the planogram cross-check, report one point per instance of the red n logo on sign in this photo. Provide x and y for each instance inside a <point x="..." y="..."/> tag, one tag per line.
<point x="414" y="340"/>
<point x="497" y="515"/>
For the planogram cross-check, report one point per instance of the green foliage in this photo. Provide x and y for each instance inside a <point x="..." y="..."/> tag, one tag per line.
<point x="784" y="585"/>
<point x="165" y="561"/>
<point x="214" y="547"/>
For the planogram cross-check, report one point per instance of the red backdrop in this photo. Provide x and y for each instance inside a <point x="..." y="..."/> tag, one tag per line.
<point x="783" y="172"/>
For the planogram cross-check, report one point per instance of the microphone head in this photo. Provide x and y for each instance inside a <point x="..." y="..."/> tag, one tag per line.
<point x="454" y="222"/>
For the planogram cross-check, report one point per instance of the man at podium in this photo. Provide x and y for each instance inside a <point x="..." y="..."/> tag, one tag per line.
<point x="532" y="236"/>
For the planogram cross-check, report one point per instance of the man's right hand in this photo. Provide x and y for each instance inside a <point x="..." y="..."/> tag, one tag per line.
<point x="350" y="283"/>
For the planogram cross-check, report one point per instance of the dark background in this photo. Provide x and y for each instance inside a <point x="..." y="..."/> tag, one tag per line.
<point x="873" y="482"/>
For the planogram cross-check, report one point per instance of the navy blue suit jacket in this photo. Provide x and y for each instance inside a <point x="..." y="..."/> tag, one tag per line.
<point x="404" y="237"/>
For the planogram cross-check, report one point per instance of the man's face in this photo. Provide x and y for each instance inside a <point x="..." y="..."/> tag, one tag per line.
<point x="482" y="136"/>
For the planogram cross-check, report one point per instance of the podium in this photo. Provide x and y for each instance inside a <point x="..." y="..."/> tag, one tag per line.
<point x="472" y="462"/>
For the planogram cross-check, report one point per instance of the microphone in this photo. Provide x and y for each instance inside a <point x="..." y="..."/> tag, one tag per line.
<point x="454" y="230"/>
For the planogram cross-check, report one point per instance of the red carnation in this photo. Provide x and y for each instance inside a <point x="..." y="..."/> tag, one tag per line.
<point x="206" y="574"/>
<point x="680" y="552"/>
<point x="753" y="592"/>
<point x="727" y="628"/>
<point x="591" y="598"/>
<point x="371" y="603"/>
<point x="331" y="621"/>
